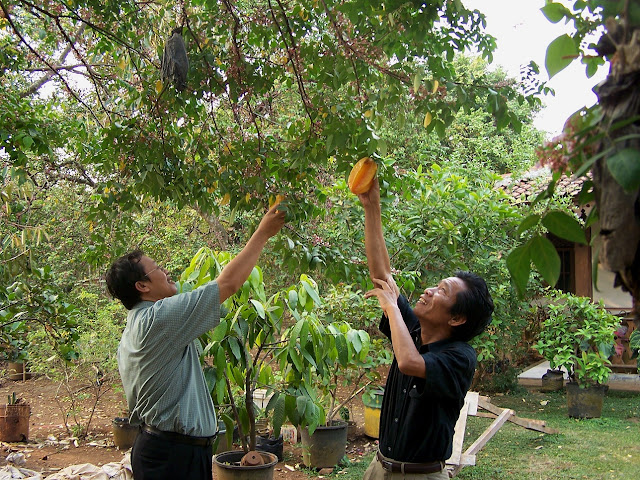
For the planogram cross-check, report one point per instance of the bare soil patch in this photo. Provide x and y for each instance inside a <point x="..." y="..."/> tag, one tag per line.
<point x="50" y="446"/>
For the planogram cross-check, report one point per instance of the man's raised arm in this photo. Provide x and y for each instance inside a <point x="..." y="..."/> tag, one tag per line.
<point x="377" y="254"/>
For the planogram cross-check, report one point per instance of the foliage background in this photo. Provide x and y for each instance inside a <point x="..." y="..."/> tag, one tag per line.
<point x="100" y="153"/>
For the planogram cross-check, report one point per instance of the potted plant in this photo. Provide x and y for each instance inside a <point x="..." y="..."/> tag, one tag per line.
<point x="14" y="420"/>
<point x="344" y="366"/>
<point x="239" y="349"/>
<point x="243" y="350"/>
<point x="344" y="362"/>
<point x="578" y="335"/>
<point x="14" y="344"/>
<point x="296" y="367"/>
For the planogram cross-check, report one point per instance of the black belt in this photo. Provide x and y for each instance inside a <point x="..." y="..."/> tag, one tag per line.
<point x="178" y="437"/>
<point x="404" y="467"/>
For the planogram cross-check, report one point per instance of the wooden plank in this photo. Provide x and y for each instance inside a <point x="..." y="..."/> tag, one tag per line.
<point x="458" y="434"/>
<point x="482" y="440"/>
<point x="489" y="432"/>
<point x="529" y="423"/>
<point x="467" y="460"/>
<point x="472" y="398"/>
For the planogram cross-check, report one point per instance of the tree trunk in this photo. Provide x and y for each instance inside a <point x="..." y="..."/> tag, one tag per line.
<point x="619" y="211"/>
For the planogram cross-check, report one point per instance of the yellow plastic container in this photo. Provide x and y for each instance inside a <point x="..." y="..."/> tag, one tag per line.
<point x="372" y="407"/>
<point x="372" y="421"/>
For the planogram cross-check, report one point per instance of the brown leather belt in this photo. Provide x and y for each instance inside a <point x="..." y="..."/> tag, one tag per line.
<point x="404" y="467"/>
<point x="178" y="437"/>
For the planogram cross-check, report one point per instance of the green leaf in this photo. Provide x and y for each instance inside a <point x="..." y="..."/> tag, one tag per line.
<point x="364" y="339"/>
<point x="527" y="223"/>
<point x="301" y="405"/>
<point x="416" y="82"/>
<point x="564" y="226"/>
<point x="229" y="425"/>
<point x="560" y="53"/>
<point x="555" y="12"/>
<point x="255" y="278"/>
<point x="219" y="332"/>
<point x="312" y="292"/>
<point x="27" y="141"/>
<point x="279" y="414"/>
<point x="343" y="350"/>
<point x="294" y="333"/>
<point x="293" y="299"/>
<point x="354" y="340"/>
<point x="259" y="308"/>
<point x="519" y="265"/>
<point x="606" y="349"/>
<point x="235" y="347"/>
<point x="237" y="376"/>
<point x="303" y="334"/>
<point x="290" y="407"/>
<point x="382" y="147"/>
<point x="221" y="360"/>
<point x="624" y="165"/>
<point x="309" y="358"/>
<point x="295" y="358"/>
<point x="546" y="259"/>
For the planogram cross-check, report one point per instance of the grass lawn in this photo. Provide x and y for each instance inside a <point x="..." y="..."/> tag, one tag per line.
<point x="594" y="449"/>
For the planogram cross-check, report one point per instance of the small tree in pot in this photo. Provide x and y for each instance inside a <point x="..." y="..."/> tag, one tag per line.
<point x="244" y="347"/>
<point x="578" y="336"/>
<point x="251" y="338"/>
<point x="240" y="346"/>
<point x="340" y="365"/>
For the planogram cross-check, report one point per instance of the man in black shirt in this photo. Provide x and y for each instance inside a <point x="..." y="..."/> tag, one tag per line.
<point x="433" y="364"/>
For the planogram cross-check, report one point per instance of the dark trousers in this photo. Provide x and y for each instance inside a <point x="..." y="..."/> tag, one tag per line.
<point x="154" y="458"/>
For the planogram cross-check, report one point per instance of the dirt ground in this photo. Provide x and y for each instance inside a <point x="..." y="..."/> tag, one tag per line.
<point x="51" y="447"/>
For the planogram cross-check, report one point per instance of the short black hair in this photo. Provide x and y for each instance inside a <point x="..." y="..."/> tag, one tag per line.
<point x="122" y="277"/>
<point x="475" y="303"/>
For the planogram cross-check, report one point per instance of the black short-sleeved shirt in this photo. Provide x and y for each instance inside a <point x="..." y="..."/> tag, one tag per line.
<point x="419" y="414"/>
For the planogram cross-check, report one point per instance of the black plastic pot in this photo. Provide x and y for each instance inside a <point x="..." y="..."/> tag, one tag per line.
<point x="585" y="402"/>
<point x="271" y="445"/>
<point x="326" y="447"/>
<point x="552" y="381"/>
<point x="226" y="466"/>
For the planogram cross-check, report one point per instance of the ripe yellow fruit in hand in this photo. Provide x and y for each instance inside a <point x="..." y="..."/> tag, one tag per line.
<point x="275" y="201"/>
<point x="362" y="175"/>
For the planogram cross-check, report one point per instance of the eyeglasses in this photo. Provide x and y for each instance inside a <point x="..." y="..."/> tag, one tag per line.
<point x="157" y="268"/>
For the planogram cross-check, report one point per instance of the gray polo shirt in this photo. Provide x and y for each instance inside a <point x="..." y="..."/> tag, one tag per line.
<point x="159" y="363"/>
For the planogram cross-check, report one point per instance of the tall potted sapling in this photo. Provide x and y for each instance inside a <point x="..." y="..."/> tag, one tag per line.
<point x="238" y="349"/>
<point x="242" y="351"/>
<point x="578" y="335"/>
<point x="340" y="366"/>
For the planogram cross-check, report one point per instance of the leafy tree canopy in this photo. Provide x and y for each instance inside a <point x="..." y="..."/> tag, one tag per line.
<point x="280" y="97"/>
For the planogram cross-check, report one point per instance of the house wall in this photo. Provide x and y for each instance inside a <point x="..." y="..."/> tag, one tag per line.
<point x="614" y="298"/>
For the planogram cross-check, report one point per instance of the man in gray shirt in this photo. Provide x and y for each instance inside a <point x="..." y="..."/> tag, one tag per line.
<point x="158" y="357"/>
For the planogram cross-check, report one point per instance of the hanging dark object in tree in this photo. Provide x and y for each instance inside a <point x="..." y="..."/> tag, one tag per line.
<point x="175" y="63"/>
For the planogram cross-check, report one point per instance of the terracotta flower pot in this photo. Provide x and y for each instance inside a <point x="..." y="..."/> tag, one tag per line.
<point x="14" y="423"/>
